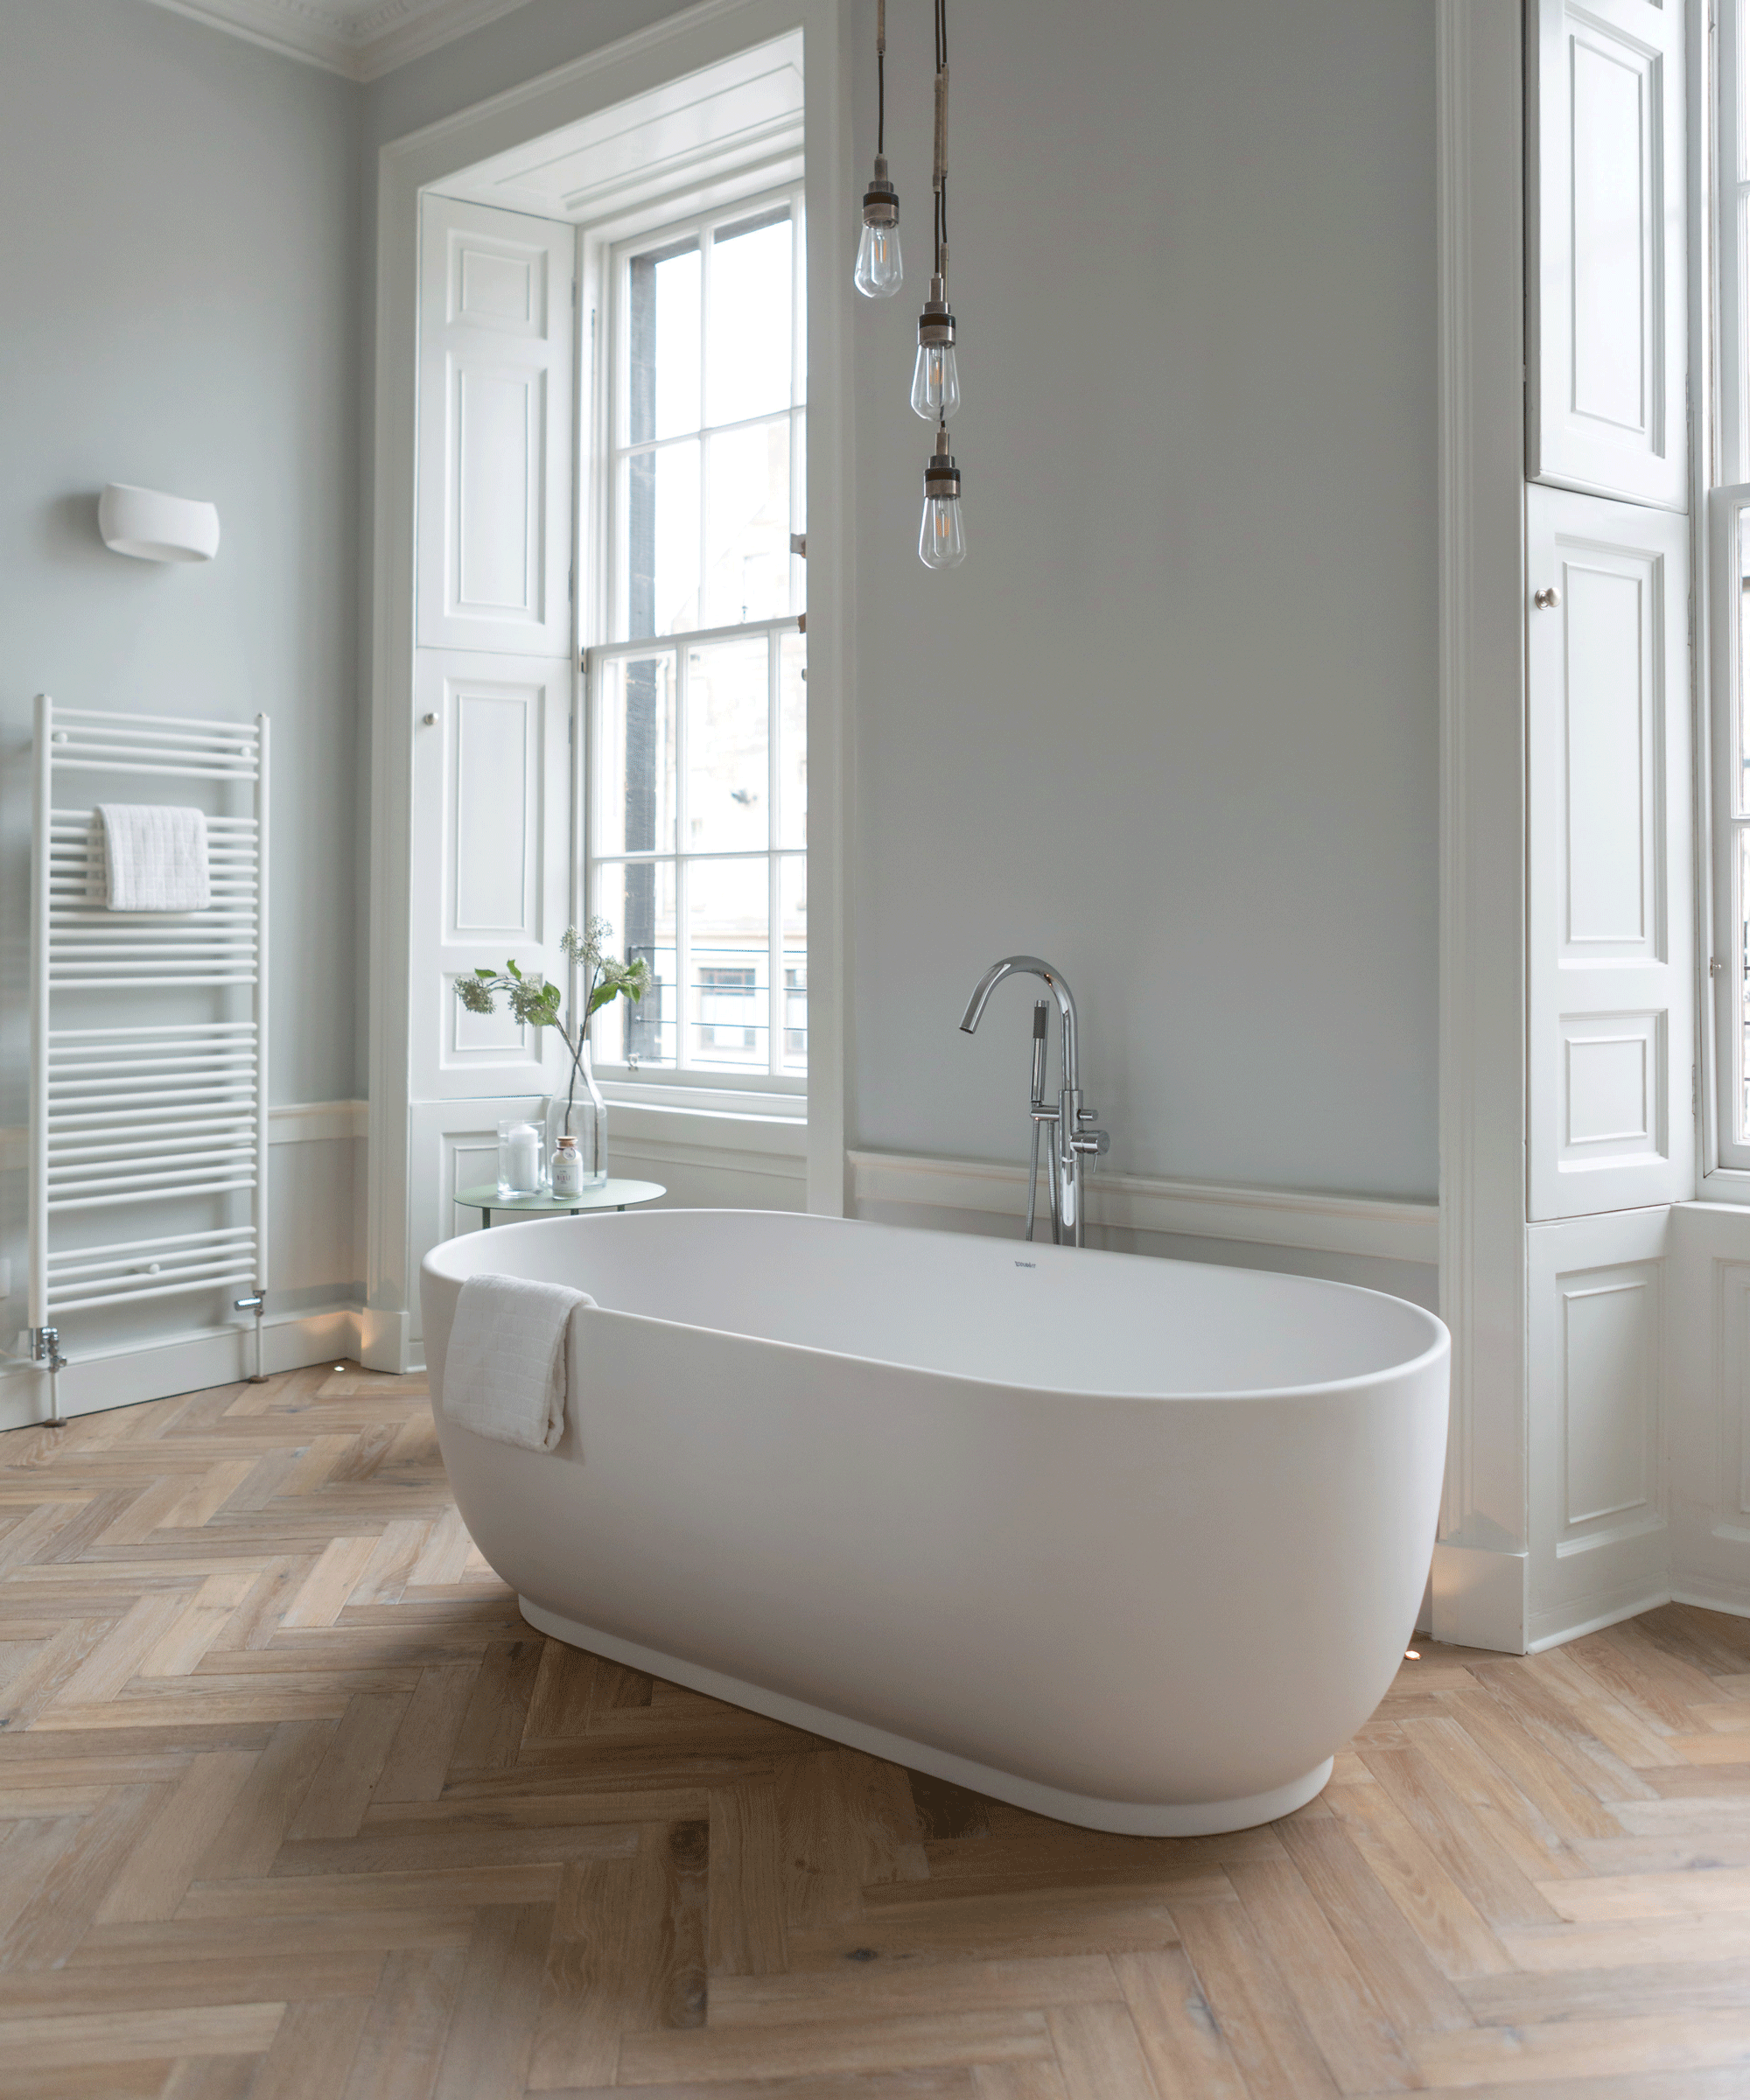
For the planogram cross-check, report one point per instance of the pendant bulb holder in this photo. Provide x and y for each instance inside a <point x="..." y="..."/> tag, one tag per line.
<point x="935" y="375"/>
<point x="941" y="538"/>
<point x="880" y="271"/>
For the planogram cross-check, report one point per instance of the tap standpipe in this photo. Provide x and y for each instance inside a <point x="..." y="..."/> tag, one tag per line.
<point x="1040" y="1116"/>
<point x="1072" y="1138"/>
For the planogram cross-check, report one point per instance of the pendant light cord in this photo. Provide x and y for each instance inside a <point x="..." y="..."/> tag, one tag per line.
<point x="941" y="137"/>
<point x="881" y="77"/>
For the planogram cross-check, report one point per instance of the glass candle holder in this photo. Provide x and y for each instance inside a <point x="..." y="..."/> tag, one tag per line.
<point x="519" y="1160"/>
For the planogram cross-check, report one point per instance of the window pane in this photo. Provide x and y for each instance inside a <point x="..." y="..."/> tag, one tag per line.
<point x="660" y="552"/>
<point x="727" y="777"/>
<point x="1737" y="973"/>
<point x="793" y="740"/>
<point x="637" y="902"/>
<point x="793" y="893"/>
<point x="747" y="365"/>
<point x="662" y="344"/>
<point x="1741" y="699"/>
<point x="729" y="1008"/>
<point x="635" y="757"/>
<point x="747" y="531"/>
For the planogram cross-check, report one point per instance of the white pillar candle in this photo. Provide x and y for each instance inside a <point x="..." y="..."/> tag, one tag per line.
<point x="519" y="1160"/>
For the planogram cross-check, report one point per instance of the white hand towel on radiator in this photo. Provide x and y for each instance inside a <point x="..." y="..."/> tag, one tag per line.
<point x="156" y="857"/>
<point x="504" y="1372"/>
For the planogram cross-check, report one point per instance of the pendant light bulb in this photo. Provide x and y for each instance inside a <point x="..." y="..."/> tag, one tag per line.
<point x="936" y="376"/>
<point x="941" y="539"/>
<point x="879" y="271"/>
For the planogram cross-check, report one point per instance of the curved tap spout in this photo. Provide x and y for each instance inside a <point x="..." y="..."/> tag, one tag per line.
<point x="1035" y="966"/>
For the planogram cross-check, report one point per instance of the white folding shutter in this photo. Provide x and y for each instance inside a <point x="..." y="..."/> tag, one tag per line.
<point x="495" y="668"/>
<point x="1607" y="335"/>
<point x="495" y="382"/>
<point x="1611" y="1054"/>
<point x="491" y="833"/>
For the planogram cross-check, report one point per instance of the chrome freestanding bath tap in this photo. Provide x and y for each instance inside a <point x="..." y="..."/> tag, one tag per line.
<point x="1072" y="1138"/>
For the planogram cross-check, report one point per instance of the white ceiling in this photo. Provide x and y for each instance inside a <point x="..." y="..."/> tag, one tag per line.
<point x="360" y="38"/>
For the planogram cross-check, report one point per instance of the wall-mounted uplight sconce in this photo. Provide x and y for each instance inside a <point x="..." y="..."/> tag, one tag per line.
<point x="155" y="528"/>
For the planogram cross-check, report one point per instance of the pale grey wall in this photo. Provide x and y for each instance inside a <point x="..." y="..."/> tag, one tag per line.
<point x="177" y="255"/>
<point x="1173" y="724"/>
<point x="178" y="260"/>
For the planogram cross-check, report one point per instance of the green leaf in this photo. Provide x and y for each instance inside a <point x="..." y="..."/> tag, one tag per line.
<point x="487" y="974"/>
<point x="515" y="971"/>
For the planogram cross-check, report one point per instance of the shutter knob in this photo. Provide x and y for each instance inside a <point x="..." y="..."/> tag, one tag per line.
<point x="431" y="721"/>
<point x="1546" y="601"/>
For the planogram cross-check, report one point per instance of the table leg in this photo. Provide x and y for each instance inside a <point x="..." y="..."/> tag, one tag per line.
<point x="486" y="1219"/>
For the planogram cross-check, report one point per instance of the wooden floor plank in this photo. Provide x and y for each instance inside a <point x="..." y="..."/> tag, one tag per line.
<point x="1099" y="2055"/>
<point x="1243" y="1987"/>
<point x="1186" y="2050"/>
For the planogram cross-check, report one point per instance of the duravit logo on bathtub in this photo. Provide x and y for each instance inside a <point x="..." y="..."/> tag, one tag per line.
<point x="1026" y="1265"/>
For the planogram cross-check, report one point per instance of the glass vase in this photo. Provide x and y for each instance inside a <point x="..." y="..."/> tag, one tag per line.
<point x="577" y="1110"/>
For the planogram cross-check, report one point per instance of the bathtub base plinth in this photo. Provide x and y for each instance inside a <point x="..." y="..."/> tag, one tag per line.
<point x="1133" y="1819"/>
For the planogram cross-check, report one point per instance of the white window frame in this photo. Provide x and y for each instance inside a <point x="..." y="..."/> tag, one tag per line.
<point x="606" y="253"/>
<point x="1721" y="239"/>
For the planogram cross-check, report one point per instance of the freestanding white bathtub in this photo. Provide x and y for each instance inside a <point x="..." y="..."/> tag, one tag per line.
<point x="1135" y="1543"/>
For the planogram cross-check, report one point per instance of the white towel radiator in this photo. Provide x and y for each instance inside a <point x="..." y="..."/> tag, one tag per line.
<point x="130" y="1116"/>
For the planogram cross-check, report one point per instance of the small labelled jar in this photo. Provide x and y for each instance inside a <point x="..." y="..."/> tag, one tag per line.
<point x="567" y="1168"/>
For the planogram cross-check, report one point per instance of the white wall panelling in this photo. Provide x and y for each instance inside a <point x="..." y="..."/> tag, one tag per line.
<point x="1609" y="234"/>
<point x="1599" y="1291"/>
<point x="1611" y="1036"/>
<point x="495" y="382"/>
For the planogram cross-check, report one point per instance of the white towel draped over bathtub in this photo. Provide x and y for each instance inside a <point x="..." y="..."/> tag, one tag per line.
<point x="155" y="857"/>
<point x="504" y="1371"/>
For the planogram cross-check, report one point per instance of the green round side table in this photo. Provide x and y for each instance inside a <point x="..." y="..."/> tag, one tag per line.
<point x="612" y="1195"/>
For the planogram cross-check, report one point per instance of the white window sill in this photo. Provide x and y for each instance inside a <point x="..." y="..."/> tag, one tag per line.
<point x="778" y="1125"/>
<point x="779" y="1104"/>
<point x="1728" y="1185"/>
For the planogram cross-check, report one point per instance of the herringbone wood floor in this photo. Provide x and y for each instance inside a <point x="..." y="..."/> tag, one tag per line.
<point x="293" y="1805"/>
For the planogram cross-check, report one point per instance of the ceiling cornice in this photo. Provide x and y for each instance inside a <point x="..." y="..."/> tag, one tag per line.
<point x="360" y="41"/>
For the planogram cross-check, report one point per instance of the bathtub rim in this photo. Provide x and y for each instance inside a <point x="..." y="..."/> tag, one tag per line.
<point x="1438" y="1349"/>
<point x="1080" y="1811"/>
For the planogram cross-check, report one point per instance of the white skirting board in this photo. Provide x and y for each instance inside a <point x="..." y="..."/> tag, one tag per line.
<point x="190" y="1363"/>
<point x="1380" y="1243"/>
<point x="315" y="1194"/>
